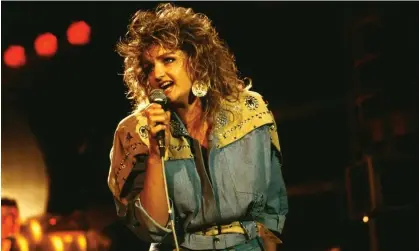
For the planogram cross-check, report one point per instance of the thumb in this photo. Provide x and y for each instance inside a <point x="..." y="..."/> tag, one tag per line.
<point x="167" y="140"/>
<point x="168" y="114"/>
<point x="167" y="133"/>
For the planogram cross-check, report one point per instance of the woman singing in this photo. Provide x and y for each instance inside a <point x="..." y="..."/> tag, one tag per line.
<point x="222" y="158"/>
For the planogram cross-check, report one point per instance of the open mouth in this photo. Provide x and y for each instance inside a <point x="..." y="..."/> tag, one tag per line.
<point x="166" y="85"/>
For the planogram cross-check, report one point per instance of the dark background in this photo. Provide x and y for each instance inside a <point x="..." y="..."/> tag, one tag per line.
<point x="305" y="58"/>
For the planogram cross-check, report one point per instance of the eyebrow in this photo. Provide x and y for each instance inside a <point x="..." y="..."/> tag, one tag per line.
<point x="165" y="54"/>
<point x="147" y="61"/>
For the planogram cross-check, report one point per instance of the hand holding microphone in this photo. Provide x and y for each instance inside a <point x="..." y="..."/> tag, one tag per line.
<point x="158" y="119"/>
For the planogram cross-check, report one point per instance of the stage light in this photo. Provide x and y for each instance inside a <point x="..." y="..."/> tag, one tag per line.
<point x="22" y="162"/>
<point x="365" y="219"/>
<point x="22" y="243"/>
<point x="14" y="56"/>
<point x="81" y="240"/>
<point x="52" y="221"/>
<point x="36" y="230"/>
<point x="57" y="243"/>
<point x="78" y="33"/>
<point x="46" y="45"/>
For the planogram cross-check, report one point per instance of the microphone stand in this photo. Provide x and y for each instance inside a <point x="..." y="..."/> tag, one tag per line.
<point x="172" y="222"/>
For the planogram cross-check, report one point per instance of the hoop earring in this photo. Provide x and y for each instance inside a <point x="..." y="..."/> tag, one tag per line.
<point x="200" y="89"/>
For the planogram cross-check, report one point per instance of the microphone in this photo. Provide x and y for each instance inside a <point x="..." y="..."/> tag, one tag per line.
<point x="157" y="96"/>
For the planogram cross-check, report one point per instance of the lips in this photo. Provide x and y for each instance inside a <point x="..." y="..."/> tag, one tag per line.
<point x="166" y="85"/>
<point x="167" y="90"/>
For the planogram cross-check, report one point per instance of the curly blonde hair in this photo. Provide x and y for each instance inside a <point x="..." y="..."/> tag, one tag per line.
<point x="172" y="27"/>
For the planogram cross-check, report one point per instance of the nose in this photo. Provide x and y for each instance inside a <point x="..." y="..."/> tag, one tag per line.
<point x="159" y="72"/>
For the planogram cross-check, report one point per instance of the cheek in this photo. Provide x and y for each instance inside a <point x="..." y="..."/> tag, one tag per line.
<point x="186" y="80"/>
<point x="181" y="73"/>
<point x="152" y="83"/>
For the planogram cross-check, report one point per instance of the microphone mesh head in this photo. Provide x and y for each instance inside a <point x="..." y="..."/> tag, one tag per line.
<point x="157" y="96"/>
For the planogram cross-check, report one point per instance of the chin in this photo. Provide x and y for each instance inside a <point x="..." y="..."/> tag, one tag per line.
<point x="172" y="99"/>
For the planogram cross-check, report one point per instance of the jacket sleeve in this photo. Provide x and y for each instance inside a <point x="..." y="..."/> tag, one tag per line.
<point x="274" y="213"/>
<point x="126" y="179"/>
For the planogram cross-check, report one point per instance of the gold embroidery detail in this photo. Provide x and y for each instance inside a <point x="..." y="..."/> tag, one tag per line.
<point x="251" y="103"/>
<point x="249" y="113"/>
<point x="143" y="132"/>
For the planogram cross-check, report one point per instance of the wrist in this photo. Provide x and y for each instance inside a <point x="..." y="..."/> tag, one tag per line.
<point x="154" y="157"/>
<point x="154" y="153"/>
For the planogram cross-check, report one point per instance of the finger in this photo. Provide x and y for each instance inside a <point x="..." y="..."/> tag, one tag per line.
<point x="158" y="119"/>
<point x="154" y="106"/>
<point x="167" y="116"/>
<point x="156" y="111"/>
<point x="151" y="106"/>
<point x="156" y="129"/>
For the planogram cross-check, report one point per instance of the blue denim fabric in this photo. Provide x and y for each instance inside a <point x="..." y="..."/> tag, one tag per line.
<point x="255" y="244"/>
<point x="247" y="185"/>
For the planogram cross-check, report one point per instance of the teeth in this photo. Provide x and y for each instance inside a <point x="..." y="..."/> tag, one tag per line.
<point x="166" y="84"/>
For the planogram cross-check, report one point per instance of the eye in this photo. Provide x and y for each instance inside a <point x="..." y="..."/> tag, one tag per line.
<point x="168" y="60"/>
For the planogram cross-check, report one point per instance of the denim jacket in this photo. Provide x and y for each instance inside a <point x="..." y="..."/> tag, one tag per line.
<point x="243" y="170"/>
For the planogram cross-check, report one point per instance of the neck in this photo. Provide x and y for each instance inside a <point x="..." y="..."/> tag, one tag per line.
<point x="191" y="117"/>
<point x="191" y="113"/>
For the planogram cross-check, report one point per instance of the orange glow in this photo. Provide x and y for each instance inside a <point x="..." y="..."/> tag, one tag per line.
<point x="36" y="230"/>
<point x="67" y="238"/>
<point x="81" y="240"/>
<point x="14" y="56"/>
<point x="46" y="45"/>
<point x="57" y="243"/>
<point x="78" y="33"/>
<point x="22" y="162"/>
<point x="22" y="243"/>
